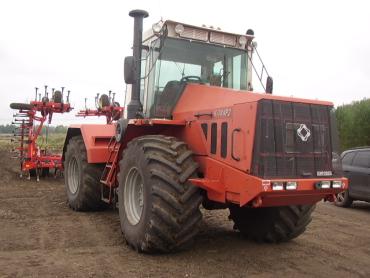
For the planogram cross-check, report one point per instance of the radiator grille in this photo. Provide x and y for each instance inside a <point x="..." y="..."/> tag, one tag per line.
<point x="293" y="140"/>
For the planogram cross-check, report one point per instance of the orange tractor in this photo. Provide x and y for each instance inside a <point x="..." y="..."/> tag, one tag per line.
<point x="195" y="134"/>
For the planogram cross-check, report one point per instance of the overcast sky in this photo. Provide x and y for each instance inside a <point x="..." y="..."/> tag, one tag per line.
<point x="313" y="49"/>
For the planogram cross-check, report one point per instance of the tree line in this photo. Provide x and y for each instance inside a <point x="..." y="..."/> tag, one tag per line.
<point x="353" y="122"/>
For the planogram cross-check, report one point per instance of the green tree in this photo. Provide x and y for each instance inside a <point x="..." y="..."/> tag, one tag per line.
<point x="353" y="121"/>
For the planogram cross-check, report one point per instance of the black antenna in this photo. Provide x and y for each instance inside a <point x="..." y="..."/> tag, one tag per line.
<point x="36" y="93"/>
<point x="114" y="96"/>
<point x="46" y="92"/>
<point x="68" y="92"/>
<point x="52" y="92"/>
<point x="39" y="96"/>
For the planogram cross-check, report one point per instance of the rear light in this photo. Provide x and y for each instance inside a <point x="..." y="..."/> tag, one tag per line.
<point x="291" y="185"/>
<point x="337" y="184"/>
<point x="277" y="185"/>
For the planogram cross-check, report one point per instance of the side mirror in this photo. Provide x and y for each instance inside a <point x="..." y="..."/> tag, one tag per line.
<point x="269" y="85"/>
<point x="129" y="70"/>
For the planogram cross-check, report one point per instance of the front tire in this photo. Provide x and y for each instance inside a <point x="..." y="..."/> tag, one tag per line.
<point x="271" y="224"/>
<point x="82" y="179"/>
<point x="158" y="206"/>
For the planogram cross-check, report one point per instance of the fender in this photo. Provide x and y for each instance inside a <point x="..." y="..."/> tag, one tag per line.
<point x="97" y="137"/>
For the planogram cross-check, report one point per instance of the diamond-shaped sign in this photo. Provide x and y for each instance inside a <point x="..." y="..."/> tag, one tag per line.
<point x="303" y="132"/>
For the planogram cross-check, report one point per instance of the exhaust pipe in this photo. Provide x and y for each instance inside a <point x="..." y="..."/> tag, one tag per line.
<point x="135" y="106"/>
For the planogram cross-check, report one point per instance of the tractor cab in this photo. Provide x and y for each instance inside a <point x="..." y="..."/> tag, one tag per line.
<point x="174" y="54"/>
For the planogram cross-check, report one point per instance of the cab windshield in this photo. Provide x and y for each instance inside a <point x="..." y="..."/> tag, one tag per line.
<point x="215" y="65"/>
<point x="178" y="60"/>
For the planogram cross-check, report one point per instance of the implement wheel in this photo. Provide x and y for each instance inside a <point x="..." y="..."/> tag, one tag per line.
<point x="158" y="206"/>
<point x="82" y="179"/>
<point x="271" y="224"/>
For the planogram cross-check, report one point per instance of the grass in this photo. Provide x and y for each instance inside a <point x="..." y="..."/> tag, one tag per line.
<point x="54" y="142"/>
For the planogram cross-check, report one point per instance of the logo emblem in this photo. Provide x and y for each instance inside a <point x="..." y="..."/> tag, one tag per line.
<point x="303" y="132"/>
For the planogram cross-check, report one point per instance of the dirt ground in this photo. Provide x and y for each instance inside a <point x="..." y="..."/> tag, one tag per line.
<point x="41" y="237"/>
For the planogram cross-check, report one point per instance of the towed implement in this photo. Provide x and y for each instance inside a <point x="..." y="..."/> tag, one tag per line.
<point x="29" y="121"/>
<point x="196" y="134"/>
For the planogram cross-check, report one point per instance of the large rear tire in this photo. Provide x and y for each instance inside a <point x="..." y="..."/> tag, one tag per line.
<point x="82" y="179"/>
<point x="158" y="206"/>
<point x="271" y="224"/>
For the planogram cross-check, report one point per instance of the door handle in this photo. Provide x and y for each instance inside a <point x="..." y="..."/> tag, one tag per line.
<point x="232" y="144"/>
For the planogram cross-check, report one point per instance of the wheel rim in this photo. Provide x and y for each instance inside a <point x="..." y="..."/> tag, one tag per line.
<point x="133" y="198"/>
<point x="341" y="196"/>
<point x="73" y="176"/>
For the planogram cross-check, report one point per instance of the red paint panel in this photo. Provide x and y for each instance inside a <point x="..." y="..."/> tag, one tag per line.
<point x="96" y="138"/>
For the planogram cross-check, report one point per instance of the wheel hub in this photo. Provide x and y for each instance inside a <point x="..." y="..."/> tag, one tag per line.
<point x="133" y="196"/>
<point x="73" y="175"/>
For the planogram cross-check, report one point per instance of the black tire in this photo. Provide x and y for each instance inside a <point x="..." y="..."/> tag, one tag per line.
<point x="85" y="176"/>
<point x="104" y="101"/>
<point x="170" y="214"/>
<point x="343" y="199"/>
<point x="21" y="106"/>
<point x="271" y="224"/>
<point x="58" y="97"/>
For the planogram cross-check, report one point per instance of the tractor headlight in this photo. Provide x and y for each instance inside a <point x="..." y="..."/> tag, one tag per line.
<point x="291" y="185"/>
<point x="179" y="28"/>
<point x="242" y="40"/>
<point x="156" y="27"/>
<point x="277" y="185"/>
<point x="337" y="184"/>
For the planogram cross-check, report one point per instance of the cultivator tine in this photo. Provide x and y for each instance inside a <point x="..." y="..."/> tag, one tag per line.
<point x="20" y="115"/>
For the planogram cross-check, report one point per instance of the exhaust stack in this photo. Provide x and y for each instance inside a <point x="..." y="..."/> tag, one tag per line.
<point x="135" y="105"/>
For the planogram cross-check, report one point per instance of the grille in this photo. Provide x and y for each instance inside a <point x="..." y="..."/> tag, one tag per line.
<point x="195" y="34"/>
<point x="293" y="140"/>
<point x="222" y="38"/>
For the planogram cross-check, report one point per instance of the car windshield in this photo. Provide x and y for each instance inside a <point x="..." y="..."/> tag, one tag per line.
<point x="207" y="63"/>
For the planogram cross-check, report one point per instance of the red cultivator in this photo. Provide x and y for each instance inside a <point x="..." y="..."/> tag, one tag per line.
<point x="105" y="106"/>
<point x="30" y="120"/>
